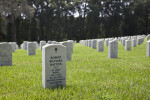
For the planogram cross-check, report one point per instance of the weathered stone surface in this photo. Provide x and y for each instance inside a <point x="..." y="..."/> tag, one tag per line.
<point x="123" y="42"/>
<point x="17" y="47"/>
<point x="54" y="42"/>
<point x="89" y="44"/>
<point x="49" y="42"/>
<point x="71" y="45"/>
<point x="148" y="37"/>
<point x="31" y="48"/>
<point x="13" y="46"/>
<point x="148" y="48"/>
<point x="36" y="44"/>
<point x="93" y="44"/>
<point x="25" y="45"/>
<point x="42" y="43"/>
<point x="127" y="45"/>
<point x="5" y="54"/>
<point x="69" y="53"/>
<point x="100" y="45"/>
<point x="53" y="66"/>
<point x="21" y="46"/>
<point x="106" y="42"/>
<point x="113" y="49"/>
<point x="139" y="41"/>
<point x="134" y="43"/>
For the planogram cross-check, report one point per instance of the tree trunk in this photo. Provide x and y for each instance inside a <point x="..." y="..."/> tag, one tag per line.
<point x="59" y="20"/>
<point x="84" y="37"/>
<point x="13" y="28"/>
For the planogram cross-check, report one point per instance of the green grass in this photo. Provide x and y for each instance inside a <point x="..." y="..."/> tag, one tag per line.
<point x="90" y="75"/>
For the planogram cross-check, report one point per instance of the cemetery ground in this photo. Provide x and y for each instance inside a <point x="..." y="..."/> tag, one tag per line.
<point x="90" y="75"/>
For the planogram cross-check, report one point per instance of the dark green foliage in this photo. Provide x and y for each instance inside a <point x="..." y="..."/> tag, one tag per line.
<point x="2" y="29"/>
<point x="55" y="20"/>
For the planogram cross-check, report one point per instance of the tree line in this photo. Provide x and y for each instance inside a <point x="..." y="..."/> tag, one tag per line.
<point x="59" y="20"/>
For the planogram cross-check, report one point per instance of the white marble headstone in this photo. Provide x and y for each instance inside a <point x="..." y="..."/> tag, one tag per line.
<point x="100" y="45"/>
<point x="93" y="44"/>
<point x="148" y="48"/>
<point x="89" y="44"/>
<point x="71" y="45"/>
<point x="54" y="42"/>
<point x="134" y="42"/>
<point x="21" y="46"/>
<point x="113" y="49"/>
<point x="127" y="45"/>
<point x="13" y="45"/>
<point x="123" y="42"/>
<point x="148" y="37"/>
<point x="25" y="45"/>
<point x="69" y="52"/>
<point x="5" y="54"/>
<point x="42" y="43"/>
<point x="36" y="44"/>
<point x="49" y="42"/>
<point x="17" y="47"/>
<point x="106" y="42"/>
<point x="31" y="48"/>
<point x="53" y="66"/>
<point x="139" y="41"/>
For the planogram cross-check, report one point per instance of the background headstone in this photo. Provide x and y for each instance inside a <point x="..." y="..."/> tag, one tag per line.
<point x="148" y="48"/>
<point x="89" y="44"/>
<point x="69" y="53"/>
<point x="113" y="49"/>
<point x="134" y="43"/>
<point x="93" y="44"/>
<point x="106" y="42"/>
<point x="17" y="47"/>
<point x="5" y="54"/>
<point x="100" y="45"/>
<point x="25" y="45"/>
<point x="71" y="47"/>
<point x="127" y="45"/>
<point x="123" y="42"/>
<point x="49" y="42"/>
<point x="31" y="48"/>
<point x="42" y="43"/>
<point x="36" y="44"/>
<point x="21" y="46"/>
<point x="148" y="37"/>
<point x="13" y="46"/>
<point x="139" y="41"/>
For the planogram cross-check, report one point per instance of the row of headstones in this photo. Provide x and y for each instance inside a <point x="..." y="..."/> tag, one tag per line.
<point x="112" y="44"/>
<point x="54" y="63"/>
<point x="32" y="46"/>
<point x="35" y="44"/>
<point x="136" y="40"/>
<point x="54" y="57"/>
<point x="6" y="49"/>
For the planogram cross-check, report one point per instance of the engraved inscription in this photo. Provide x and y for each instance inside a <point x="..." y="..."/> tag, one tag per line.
<point x="56" y="77"/>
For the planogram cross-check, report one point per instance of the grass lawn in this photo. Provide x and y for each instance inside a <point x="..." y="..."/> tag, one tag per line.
<point x="90" y="75"/>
